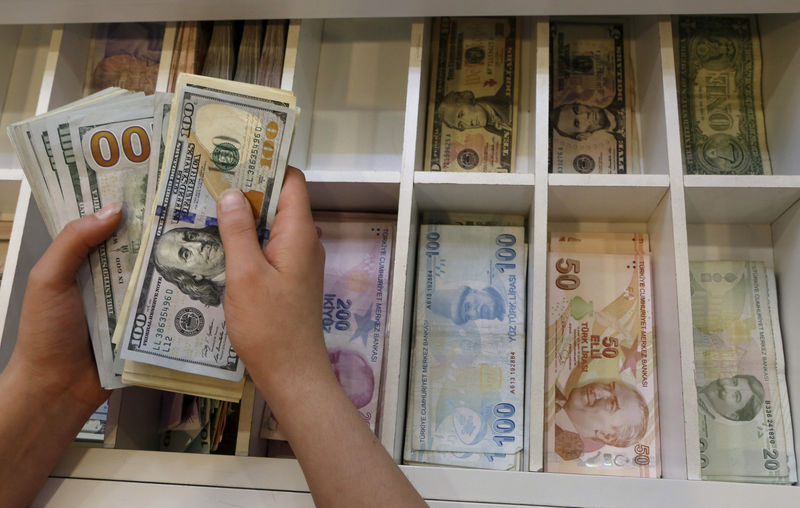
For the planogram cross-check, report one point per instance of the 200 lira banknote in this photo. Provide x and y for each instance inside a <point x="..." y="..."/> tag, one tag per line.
<point x="467" y="375"/>
<point x="743" y="407"/>
<point x="592" y="87"/>
<point x="222" y="134"/>
<point x="601" y="409"/>
<point x="472" y="107"/>
<point x="719" y="94"/>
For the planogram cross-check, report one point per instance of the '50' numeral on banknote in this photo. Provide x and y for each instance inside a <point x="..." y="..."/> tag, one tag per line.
<point x="568" y="281"/>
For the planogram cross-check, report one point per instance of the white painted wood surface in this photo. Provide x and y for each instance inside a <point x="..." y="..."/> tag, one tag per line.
<point x="81" y="11"/>
<point x="688" y="217"/>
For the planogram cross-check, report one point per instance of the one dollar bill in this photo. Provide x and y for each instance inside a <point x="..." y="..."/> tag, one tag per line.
<point x="472" y="109"/>
<point x="719" y="94"/>
<point x="222" y="135"/>
<point x="591" y="98"/>
<point x="743" y="408"/>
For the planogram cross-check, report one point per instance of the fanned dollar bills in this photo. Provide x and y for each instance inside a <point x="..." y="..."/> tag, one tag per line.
<point x="222" y="134"/>
<point x="601" y="410"/>
<point x="472" y="109"/>
<point x="719" y="94"/>
<point x="591" y="98"/>
<point x="744" y="419"/>
<point x="355" y="306"/>
<point x="78" y="159"/>
<point x="466" y="388"/>
<point x="108" y="148"/>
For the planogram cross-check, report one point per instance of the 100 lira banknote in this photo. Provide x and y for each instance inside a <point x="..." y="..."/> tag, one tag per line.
<point x="472" y="107"/>
<point x="591" y="98"/>
<point x="467" y="374"/>
<point x="719" y="94"/>
<point x="743" y="406"/>
<point x="601" y="409"/>
<point x="222" y="135"/>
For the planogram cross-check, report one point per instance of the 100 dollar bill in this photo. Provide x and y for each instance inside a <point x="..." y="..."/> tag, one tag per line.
<point x="472" y="110"/>
<point x="743" y="407"/>
<point x="467" y="382"/>
<point x="719" y="94"/>
<point x="601" y="407"/>
<point x="222" y="134"/>
<point x="591" y="99"/>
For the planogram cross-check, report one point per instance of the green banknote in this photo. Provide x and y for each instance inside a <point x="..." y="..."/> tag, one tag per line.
<point x="719" y="92"/>
<point x="472" y="108"/>
<point x="222" y="135"/>
<point x="591" y="98"/>
<point x="743" y="407"/>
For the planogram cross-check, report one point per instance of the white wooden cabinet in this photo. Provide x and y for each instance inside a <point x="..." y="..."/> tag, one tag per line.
<point x="362" y="85"/>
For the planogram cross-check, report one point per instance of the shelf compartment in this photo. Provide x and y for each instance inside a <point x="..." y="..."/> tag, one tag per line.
<point x="777" y="244"/>
<point x="746" y="199"/>
<point x="780" y="72"/>
<point x="530" y="62"/>
<point x="350" y="79"/>
<point x="646" y="69"/>
<point x="611" y="198"/>
<point x="657" y="221"/>
<point x="22" y="62"/>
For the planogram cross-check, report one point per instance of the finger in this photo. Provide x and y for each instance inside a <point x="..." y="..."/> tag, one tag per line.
<point x="238" y="232"/>
<point x="62" y="259"/>
<point x="293" y="232"/>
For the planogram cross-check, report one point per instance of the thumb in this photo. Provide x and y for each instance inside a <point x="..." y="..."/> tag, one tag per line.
<point x="238" y="232"/>
<point x="69" y="249"/>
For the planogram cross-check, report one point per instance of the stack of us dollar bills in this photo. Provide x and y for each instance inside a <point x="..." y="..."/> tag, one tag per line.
<point x="466" y="384"/>
<point x="153" y="291"/>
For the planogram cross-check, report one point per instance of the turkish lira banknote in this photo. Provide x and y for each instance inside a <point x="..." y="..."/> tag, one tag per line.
<point x="743" y="407"/>
<point x="592" y="127"/>
<point x="126" y="55"/>
<point x="719" y="96"/>
<point x="601" y="407"/>
<point x="355" y="306"/>
<point x="466" y="387"/>
<point x="472" y="106"/>
<point x="222" y="134"/>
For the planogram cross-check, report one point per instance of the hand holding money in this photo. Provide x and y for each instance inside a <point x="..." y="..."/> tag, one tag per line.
<point x="287" y="275"/>
<point x="53" y="339"/>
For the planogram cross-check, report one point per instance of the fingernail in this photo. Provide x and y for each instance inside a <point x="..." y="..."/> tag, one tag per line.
<point x="231" y="199"/>
<point x="108" y="210"/>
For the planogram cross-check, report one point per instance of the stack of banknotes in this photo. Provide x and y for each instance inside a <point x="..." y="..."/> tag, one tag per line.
<point x="601" y="410"/>
<point x="719" y="94"/>
<point x="210" y="49"/>
<point x="126" y="55"/>
<point x="355" y="306"/>
<point x="153" y="291"/>
<point x="466" y="383"/>
<point x="592" y="89"/>
<point x="743" y="406"/>
<point x="196" y="424"/>
<point x="473" y="101"/>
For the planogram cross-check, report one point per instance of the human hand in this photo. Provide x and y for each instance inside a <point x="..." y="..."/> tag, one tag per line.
<point x="273" y="298"/>
<point x="53" y="356"/>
